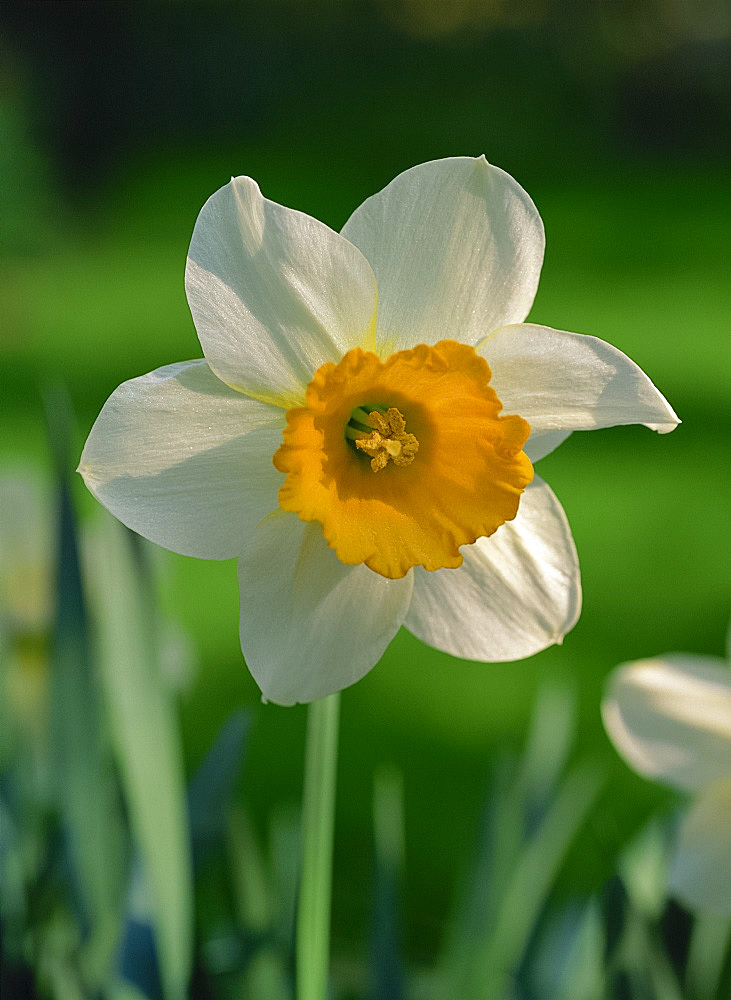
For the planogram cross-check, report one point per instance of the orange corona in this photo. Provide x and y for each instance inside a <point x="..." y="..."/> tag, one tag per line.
<point x="403" y="461"/>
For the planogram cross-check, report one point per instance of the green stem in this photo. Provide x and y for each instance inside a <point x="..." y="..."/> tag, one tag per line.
<point x="318" y="814"/>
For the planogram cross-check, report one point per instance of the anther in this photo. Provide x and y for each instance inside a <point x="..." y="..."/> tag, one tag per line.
<point x="388" y="440"/>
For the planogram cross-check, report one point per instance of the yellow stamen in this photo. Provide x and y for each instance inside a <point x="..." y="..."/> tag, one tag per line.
<point x="388" y="439"/>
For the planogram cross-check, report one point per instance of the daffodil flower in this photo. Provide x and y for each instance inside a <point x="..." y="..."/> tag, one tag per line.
<point x="670" y="718"/>
<point x="361" y="431"/>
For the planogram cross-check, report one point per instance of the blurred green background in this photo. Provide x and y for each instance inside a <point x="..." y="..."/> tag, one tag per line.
<point x="118" y="120"/>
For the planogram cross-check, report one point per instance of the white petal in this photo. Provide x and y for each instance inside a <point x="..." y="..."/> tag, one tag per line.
<point x="310" y="625"/>
<point x="274" y="293"/>
<point x="561" y="381"/>
<point x="457" y="247"/>
<point x="670" y="718"/>
<point x="700" y="872"/>
<point x="541" y="444"/>
<point x="185" y="461"/>
<point x="517" y="591"/>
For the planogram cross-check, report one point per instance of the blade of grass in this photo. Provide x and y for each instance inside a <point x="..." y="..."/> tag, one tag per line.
<point x="265" y="975"/>
<point x="483" y="886"/>
<point x="635" y="959"/>
<point x="709" y="945"/>
<point x="137" y="963"/>
<point x="209" y="793"/>
<point x="547" y="749"/>
<point x="208" y="800"/>
<point x="643" y="867"/>
<point x="81" y="763"/>
<point x="662" y="975"/>
<point x="285" y="849"/>
<point x="530" y="881"/>
<point x="147" y="741"/>
<point x="13" y="906"/>
<point x="583" y="977"/>
<point x="249" y="876"/>
<point x="386" y="966"/>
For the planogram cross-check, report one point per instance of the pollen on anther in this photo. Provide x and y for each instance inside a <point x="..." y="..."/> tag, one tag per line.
<point x="389" y="440"/>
